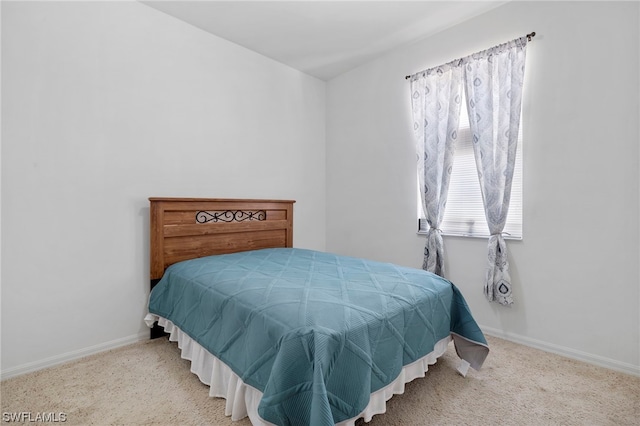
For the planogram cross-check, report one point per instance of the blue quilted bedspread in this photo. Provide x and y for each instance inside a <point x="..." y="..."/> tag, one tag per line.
<point x="315" y="332"/>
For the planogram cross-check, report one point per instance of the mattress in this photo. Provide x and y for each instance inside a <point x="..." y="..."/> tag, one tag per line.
<point x="315" y="333"/>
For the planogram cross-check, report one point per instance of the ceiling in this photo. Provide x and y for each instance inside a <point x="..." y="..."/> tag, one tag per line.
<point x="323" y="38"/>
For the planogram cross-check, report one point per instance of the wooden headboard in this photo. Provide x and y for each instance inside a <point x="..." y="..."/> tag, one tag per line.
<point x="186" y="228"/>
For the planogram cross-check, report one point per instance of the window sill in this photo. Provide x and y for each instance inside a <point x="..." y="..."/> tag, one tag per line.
<point x="483" y="236"/>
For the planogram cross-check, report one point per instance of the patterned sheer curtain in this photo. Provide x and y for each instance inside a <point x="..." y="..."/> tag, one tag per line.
<point x="493" y="84"/>
<point x="436" y="100"/>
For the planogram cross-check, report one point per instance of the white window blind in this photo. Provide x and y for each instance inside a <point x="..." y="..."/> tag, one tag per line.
<point x="464" y="212"/>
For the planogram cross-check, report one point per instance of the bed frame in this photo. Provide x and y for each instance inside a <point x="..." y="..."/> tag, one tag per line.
<point x="187" y="228"/>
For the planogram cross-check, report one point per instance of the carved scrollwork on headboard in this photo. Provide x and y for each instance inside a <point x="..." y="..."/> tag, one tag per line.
<point x="230" y="216"/>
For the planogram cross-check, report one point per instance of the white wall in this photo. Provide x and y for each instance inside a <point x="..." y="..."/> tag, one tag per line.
<point x="575" y="273"/>
<point x="104" y="105"/>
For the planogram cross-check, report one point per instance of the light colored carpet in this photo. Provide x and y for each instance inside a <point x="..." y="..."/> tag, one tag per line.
<point x="147" y="383"/>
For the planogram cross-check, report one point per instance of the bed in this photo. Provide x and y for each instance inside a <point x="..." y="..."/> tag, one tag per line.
<point x="290" y="336"/>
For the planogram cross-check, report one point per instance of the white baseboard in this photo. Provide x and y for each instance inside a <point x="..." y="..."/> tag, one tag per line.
<point x="71" y="356"/>
<point x="600" y="361"/>
<point x="512" y="337"/>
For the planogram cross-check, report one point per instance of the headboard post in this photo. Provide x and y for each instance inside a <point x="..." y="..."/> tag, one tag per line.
<point x="187" y="228"/>
<point x="156" y="253"/>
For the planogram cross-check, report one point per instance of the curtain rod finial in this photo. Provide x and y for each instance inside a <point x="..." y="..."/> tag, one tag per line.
<point x="531" y="35"/>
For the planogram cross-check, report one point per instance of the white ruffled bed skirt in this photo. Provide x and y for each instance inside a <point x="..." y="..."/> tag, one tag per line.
<point x="242" y="400"/>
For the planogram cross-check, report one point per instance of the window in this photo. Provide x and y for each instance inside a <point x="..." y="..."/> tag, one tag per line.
<point x="464" y="212"/>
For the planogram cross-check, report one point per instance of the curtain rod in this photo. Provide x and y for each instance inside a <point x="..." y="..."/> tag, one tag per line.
<point x="528" y="36"/>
